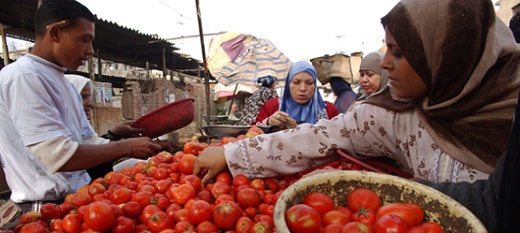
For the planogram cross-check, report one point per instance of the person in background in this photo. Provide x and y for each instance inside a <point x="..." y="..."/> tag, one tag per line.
<point x="514" y="26"/>
<point x="85" y="87"/>
<point x="47" y="141"/>
<point x="372" y="77"/>
<point x="435" y="118"/>
<point x="253" y="104"/>
<point x="345" y="96"/>
<point x="233" y="112"/>
<point x="300" y="103"/>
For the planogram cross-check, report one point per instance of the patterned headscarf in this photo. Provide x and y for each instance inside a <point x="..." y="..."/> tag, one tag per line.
<point x="307" y="112"/>
<point x="470" y="63"/>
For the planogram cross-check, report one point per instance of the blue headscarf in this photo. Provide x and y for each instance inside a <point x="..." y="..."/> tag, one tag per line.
<point x="307" y="112"/>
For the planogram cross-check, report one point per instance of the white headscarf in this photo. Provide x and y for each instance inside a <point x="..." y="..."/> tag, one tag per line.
<point x="79" y="82"/>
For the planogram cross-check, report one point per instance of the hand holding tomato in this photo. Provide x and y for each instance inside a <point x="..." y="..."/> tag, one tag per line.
<point x="212" y="159"/>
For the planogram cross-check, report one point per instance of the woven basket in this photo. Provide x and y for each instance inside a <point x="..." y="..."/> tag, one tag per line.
<point x="167" y="118"/>
<point x="438" y="207"/>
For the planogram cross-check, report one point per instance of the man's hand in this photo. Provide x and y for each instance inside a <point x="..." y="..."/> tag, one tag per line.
<point x="125" y="130"/>
<point x="140" y="147"/>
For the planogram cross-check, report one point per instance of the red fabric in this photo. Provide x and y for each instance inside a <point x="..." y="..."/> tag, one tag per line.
<point x="272" y="105"/>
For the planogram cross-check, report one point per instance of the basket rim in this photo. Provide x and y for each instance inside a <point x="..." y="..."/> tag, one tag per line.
<point x="281" y="204"/>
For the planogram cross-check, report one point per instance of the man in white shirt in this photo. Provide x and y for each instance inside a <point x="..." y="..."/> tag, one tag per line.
<point x="46" y="142"/>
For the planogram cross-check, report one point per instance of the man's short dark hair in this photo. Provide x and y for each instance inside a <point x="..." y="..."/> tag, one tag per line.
<point x="514" y="25"/>
<point x="52" y="11"/>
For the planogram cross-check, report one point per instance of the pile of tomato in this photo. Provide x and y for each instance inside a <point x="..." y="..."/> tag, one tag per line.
<point x="163" y="195"/>
<point x="363" y="213"/>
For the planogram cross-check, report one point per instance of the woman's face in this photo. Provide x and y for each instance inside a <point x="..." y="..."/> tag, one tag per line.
<point x="369" y="81"/>
<point x="85" y="95"/>
<point x="402" y="77"/>
<point x="302" y="87"/>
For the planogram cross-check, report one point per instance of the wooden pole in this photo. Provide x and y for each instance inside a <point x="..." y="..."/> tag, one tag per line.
<point x="4" y="45"/>
<point x="164" y="62"/>
<point x="206" y="73"/>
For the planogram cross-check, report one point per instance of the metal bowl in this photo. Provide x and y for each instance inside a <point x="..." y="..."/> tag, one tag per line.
<point x="230" y="130"/>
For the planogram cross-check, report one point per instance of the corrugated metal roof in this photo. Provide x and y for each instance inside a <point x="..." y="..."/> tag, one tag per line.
<point x="114" y="42"/>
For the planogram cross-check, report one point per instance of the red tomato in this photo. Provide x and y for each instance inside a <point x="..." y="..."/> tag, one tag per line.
<point x="332" y="228"/>
<point x="117" y="210"/>
<point x="148" y="211"/>
<point x="182" y="193"/>
<point x="272" y="184"/>
<point x="365" y="198"/>
<point x="334" y="216"/>
<point x="224" y="177"/>
<point x="323" y="203"/>
<point x="430" y="227"/>
<point x="193" y="180"/>
<point x="33" y="227"/>
<point x="99" y="216"/>
<point x="248" y="197"/>
<point x="142" y="198"/>
<point x="57" y="225"/>
<point x="251" y="211"/>
<point x="226" y="215"/>
<point x="206" y="195"/>
<point x="170" y="210"/>
<point x="244" y="225"/>
<point x="403" y="211"/>
<point x="257" y="184"/>
<point x="123" y="225"/>
<point x="419" y="212"/>
<point x="121" y="195"/>
<point x="220" y="188"/>
<point x="159" y="221"/>
<point x="261" y="227"/>
<point x="95" y="188"/>
<point x="191" y="148"/>
<point x="51" y="211"/>
<point x="81" y="198"/>
<point x="240" y="179"/>
<point x="66" y="208"/>
<point x="71" y="223"/>
<point x="389" y="224"/>
<point x="302" y="218"/>
<point x="200" y="211"/>
<point x="207" y="227"/>
<point x="161" y="173"/>
<point x="180" y="215"/>
<point x="416" y="229"/>
<point x="183" y="226"/>
<point x="132" y="209"/>
<point x="355" y="227"/>
<point x="186" y="164"/>
<point x="367" y="217"/>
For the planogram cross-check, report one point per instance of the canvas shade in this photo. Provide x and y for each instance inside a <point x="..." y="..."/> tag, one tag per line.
<point x="241" y="58"/>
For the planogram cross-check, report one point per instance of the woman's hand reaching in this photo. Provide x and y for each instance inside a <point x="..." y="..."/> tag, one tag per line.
<point x="213" y="160"/>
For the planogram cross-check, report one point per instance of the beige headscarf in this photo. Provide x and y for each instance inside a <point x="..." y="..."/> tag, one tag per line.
<point x="471" y="65"/>
<point x="372" y="62"/>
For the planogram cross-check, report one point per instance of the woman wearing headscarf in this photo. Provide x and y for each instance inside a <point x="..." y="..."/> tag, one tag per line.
<point x="345" y="96"/>
<point x="300" y="103"/>
<point x="372" y="78"/>
<point x="85" y="87"/>
<point x="445" y="116"/>
<point x="253" y="104"/>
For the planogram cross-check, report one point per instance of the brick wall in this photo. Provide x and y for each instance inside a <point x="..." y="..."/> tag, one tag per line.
<point x="136" y="103"/>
